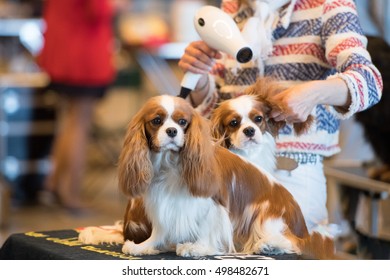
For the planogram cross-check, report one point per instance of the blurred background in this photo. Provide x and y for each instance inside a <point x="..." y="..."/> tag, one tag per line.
<point x="150" y="37"/>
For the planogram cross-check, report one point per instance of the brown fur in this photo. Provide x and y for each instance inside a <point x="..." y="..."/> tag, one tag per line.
<point x="198" y="159"/>
<point x="263" y="89"/>
<point x="136" y="226"/>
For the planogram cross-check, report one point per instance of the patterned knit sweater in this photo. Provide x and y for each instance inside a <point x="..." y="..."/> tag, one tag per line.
<point x="316" y="40"/>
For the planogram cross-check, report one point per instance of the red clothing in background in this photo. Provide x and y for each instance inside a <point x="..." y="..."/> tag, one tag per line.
<point x="78" y="42"/>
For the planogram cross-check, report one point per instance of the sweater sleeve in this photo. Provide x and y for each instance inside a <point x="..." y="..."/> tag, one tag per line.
<point x="345" y="46"/>
<point x="210" y="101"/>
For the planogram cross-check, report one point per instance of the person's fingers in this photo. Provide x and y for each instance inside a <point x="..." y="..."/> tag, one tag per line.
<point x="198" y="58"/>
<point x="276" y="114"/>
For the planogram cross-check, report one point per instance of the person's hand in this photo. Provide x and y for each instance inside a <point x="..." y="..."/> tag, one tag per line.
<point x="198" y="58"/>
<point x="296" y="103"/>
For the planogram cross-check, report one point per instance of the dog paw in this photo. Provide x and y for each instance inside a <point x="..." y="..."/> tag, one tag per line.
<point x="86" y="236"/>
<point x="273" y="250"/>
<point x="193" y="250"/>
<point x="130" y="248"/>
<point x="270" y="250"/>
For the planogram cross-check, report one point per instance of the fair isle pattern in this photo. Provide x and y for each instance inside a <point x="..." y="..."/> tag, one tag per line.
<point x="307" y="4"/>
<point x="346" y="44"/>
<point x="304" y="147"/>
<point x="325" y="120"/>
<point x="243" y="76"/>
<point x="342" y="23"/>
<point x="300" y="71"/>
<point x="311" y="49"/>
<point x="303" y="158"/>
<point x="337" y="4"/>
<point x="324" y="39"/>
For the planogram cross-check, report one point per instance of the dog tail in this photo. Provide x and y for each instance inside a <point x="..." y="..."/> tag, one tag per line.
<point x="102" y="234"/>
<point x="318" y="245"/>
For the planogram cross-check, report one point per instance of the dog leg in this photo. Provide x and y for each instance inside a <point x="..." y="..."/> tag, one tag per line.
<point x="195" y="250"/>
<point x="151" y="246"/>
<point x="144" y="248"/>
<point x="271" y="237"/>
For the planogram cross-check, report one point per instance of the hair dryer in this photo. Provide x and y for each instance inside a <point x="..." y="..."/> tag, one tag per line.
<point x="219" y="31"/>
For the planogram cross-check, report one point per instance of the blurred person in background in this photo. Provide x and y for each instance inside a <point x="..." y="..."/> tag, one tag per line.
<point x="78" y="57"/>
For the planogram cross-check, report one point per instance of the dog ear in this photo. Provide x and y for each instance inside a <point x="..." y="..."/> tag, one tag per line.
<point x="299" y="128"/>
<point x="217" y="128"/>
<point x="266" y="87"/>
<point x="302" y="127"/>
<point x="198" y="158"/>
<point x="273" y="126"/>
<point x="135" y="168"/>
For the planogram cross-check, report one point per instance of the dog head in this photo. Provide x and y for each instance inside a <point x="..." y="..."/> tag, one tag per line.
<point x="242" y="122"/>
<point x="167" y="124"/>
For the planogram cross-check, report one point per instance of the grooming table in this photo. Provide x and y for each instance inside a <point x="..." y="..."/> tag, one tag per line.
<point x="64" y="245"/>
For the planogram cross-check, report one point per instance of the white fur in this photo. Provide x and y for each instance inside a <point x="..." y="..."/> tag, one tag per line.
<point x="166" y="142"/>
<point x="267" y="234"/>
<point x="191" y="226"/>
<point x="260" y="149"/>
<point x="262" y="154"/>
<point x="104" y="234"/>
<point x="269" y="237"/>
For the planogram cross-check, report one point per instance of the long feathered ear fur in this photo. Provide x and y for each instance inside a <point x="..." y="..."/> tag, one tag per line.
<point x="199" y="166"/>
<point x="218" y="130"/>
<point x="135" y="168"/>
<point x="266" y="87"/>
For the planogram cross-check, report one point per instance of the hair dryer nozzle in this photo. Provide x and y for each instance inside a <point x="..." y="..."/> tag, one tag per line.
<point x="244" y="55"/>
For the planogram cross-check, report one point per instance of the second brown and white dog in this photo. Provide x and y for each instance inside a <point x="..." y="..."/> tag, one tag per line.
<point x="188" y="195"/>
<point x="243" y="125"/>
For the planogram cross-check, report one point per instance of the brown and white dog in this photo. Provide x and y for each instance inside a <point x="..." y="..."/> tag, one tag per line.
<point x="244" y="127"/>
<point x="192" y="196"/>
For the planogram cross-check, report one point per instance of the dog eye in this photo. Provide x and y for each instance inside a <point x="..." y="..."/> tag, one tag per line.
<point x="182" y="122"/>
<point x="156" y="121"/>
<point x="233" y="123"/>
<point x="258" y="119"/>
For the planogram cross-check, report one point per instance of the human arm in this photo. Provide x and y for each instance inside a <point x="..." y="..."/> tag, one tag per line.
<point x="345" y="51"/>
<point x="298" y="101"/>
<point x="199" y="58"/>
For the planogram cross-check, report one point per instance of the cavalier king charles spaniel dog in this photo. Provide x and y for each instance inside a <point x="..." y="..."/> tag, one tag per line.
<point x="244" y="127"/>
<point x="189" y="195"/>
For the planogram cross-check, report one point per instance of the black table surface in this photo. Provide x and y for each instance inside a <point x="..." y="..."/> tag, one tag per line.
<point x="64" y="245"/>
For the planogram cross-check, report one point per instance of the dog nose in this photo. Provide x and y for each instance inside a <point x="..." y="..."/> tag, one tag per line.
<point x="171" y="131"/>
<point x="249" y="131"/>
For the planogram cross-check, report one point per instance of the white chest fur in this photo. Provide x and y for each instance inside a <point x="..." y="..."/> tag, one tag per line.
<point x="178" y="217"/>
